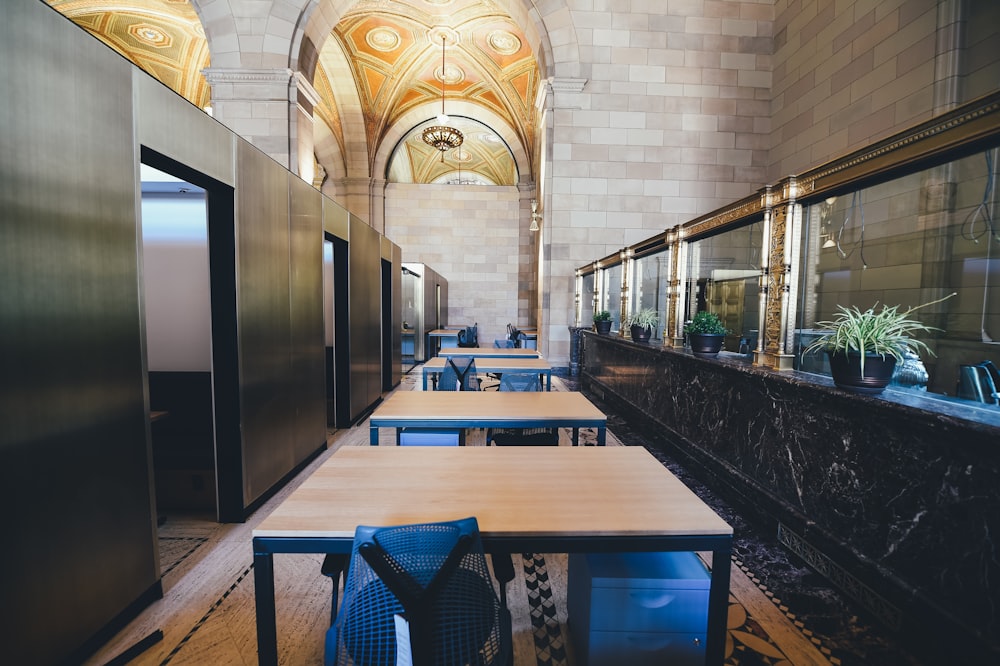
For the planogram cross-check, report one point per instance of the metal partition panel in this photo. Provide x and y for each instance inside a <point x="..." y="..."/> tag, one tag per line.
<point x="366" y="316"/>
<point x="262" y="281"/>
<point x="307" y="326"/>
<point x="172" y="126"/>
<point x="392" y="364"/>
<point x="75" y="470"/>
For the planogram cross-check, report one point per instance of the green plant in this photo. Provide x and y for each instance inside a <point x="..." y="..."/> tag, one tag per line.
<point x="887" y="331"/>
<point x="705" y="323"/>
<point x="603" y="315"/>
<point x="647" y="318"/>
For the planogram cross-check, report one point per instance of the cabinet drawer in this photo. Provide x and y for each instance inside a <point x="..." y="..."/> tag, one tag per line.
<point x="615" y="648"/>
<point x="645" y="610"/>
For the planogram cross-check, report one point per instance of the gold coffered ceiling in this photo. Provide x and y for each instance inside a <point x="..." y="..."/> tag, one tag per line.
<point x="393" y="51"/>
<point x="163" y="37"/>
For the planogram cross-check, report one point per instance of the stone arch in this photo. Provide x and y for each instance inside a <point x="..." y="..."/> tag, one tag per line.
<point x="405" y="123"/>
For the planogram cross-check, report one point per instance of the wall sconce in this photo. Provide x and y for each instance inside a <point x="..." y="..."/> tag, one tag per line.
<point x="535" y="216"/>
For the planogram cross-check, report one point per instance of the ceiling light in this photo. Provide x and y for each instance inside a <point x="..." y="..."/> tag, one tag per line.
<point x="442" y="136"/>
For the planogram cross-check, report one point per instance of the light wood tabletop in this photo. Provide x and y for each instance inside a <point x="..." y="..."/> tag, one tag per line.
<point x="490" y="364"/>
<point x="490" y="352"/>
<point x="488" y="409"/>
<point x="595" y="499"/>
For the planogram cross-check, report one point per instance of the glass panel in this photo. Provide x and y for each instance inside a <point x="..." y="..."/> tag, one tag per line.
<point x="649" y="279"/>
<point x="587" y="300"/>
<point x="612" y="292"/>
<point x="722" y="277"/>
<point x="907" y="242"/>
<point x="411" y="297"/>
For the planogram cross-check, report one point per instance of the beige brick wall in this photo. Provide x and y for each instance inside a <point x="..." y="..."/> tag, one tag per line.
<point x="671" y="123"/>
<point x="475" y="237"/>
<point x="847" y="74"/>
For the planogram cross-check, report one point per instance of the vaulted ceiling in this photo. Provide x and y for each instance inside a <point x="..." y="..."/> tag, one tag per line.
<point x="394" y="52"/>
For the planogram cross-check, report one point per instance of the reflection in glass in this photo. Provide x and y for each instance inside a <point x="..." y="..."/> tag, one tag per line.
<point x="587" y="299"/>
<point x="612" y="294"/>
<point x="722" y="277"/>
<point x="650" y="278"/>
<point x="906" y="242"/>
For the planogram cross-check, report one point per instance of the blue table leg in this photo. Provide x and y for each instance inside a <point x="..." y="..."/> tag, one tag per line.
<point x="373" y="437"/>
<point x="267" y="631"/>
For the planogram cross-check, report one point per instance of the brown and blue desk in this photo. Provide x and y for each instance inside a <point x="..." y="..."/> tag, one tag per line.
<point x="597" y="499"/>
<point x="537" y="366"/>
<point x="455" y="410"/>
<point x="489" y="352"/>
<point x="441" y="337"/>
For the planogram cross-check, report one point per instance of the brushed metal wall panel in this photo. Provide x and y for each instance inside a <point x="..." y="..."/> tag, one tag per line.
<point x="74" y="448"/>
<point x="395" y="258"/>
<point x="308" y="389"/>
<point x="169" y="124"/>
<point x="262" y="281"/>
<point x="366" y="317"/>
<point x="336" y="219"/>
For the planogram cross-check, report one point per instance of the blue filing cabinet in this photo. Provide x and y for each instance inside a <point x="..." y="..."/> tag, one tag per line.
<point x="638" y="608"/>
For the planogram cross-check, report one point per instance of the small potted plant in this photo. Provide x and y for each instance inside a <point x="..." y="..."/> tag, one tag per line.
<point x="602" y="322"/>
<point x="864" y="346"/>
<point x="706" y="334"/>
<point x="642" y="323"/>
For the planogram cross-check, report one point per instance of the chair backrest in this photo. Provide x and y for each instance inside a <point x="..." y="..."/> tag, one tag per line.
<point x="520" y="381"/>
<point x="435" y="576"/>
<point x="469" y="337"/>
<point x="514" y="334"/>
<point x="459" y="374"/>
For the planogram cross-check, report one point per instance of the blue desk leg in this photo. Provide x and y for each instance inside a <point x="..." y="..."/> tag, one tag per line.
<point x="602" y="436"/>
<point x="267" y="631"/>
<point x="425" y="378"/>
<point x="718" y="606"/>
<point x="373" y="437"/>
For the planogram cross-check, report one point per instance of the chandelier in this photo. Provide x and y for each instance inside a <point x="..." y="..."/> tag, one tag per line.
<point x="441" y="136"/>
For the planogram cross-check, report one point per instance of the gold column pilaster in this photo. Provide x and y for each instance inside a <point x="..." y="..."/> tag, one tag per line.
<point x="782" y="228"/>
<point x="678" y="272"/>
<point x="624" y="254"/>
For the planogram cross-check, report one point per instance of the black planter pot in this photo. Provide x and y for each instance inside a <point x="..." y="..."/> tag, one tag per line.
<point x="641" y="334"/>
<point x="706" y="345"/>
<point x="846" y="372"/>
<point x="603" y="327"/>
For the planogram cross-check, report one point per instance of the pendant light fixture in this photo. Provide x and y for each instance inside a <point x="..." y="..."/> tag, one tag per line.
<point x="441" y="136"/>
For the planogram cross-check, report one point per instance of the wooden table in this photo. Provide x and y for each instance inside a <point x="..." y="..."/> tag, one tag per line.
<point x="490" y="352"/>
<point x="609" y="499"/>
<point x="539" y="366"/>
<point x="441" y="337"/>
<point x="489" y="409"/>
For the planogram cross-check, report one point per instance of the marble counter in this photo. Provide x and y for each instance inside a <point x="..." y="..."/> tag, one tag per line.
<point x="895" y="497"/>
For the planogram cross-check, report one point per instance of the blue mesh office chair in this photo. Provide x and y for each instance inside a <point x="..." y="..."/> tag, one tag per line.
<point x="469" y="337"/>
<point x="459" y="374"/>
<point x="522" y="381"/>
<point x="435" y="577"/>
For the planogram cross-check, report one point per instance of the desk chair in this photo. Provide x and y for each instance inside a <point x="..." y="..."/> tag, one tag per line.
<point x="459" y="374"/>
<point x="435" y="577"/>
<point x="522" y="381"/>
<point x="469" y="337"/>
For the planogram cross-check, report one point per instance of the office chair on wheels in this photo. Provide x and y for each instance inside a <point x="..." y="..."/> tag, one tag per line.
<point x="432" y="579"/>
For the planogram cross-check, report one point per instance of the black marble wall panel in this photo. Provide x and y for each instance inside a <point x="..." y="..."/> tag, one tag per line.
<point x="897" y="489"/>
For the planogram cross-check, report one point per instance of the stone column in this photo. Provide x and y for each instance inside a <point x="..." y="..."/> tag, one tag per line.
<point x="255" y="103"/>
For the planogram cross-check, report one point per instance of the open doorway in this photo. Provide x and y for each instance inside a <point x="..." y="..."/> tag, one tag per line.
<point x="188" y="285"/>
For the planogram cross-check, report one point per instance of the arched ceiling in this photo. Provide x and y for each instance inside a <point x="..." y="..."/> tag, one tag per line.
<point x="163" y="37"/>
<point x="393" y="53"/>
<point x="394" y="48"/>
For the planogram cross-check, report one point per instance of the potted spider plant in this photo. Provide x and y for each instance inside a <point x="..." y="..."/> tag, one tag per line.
<point x="642" y="322"/>
<point x="863" y="346"/>
<point x="706" y="333"/>
<point x="602" y="322"/>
